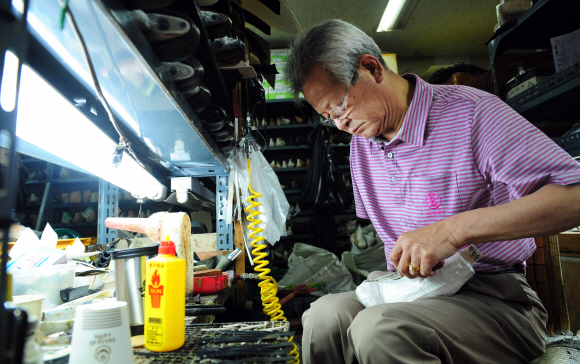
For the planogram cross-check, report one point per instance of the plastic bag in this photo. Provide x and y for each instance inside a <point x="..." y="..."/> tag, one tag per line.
<point x="310" y="264"/>
<point x="457" y="270"/>
<point x="274" y="206"/>
<point x="323" y="189"/>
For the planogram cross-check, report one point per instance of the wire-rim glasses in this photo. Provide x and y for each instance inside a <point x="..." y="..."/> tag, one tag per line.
<point x="337" y="111"/>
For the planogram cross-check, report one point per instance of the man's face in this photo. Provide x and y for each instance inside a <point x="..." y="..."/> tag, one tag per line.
<point x="366" y="109"/>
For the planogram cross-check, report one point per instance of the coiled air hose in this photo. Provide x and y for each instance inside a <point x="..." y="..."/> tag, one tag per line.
<point x="268" y="285"/>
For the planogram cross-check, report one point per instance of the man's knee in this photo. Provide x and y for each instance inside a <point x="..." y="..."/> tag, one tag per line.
<point x="333" y="310"/>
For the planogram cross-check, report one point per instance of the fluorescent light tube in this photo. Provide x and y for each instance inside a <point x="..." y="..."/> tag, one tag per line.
<point x="390" y="16"/>
<point x="46" y="119"/>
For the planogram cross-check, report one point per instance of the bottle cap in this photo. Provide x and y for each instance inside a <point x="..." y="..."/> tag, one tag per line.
<point x="167" y="248"/>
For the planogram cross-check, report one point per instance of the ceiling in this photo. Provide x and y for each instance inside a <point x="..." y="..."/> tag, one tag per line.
<point x="436" y="28"/>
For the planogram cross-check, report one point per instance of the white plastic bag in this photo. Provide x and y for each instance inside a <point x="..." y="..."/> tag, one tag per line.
<point x="455" y="272"/>
<point x="274" y="206"/>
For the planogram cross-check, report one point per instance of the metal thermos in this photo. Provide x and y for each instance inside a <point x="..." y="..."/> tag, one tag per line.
<point x="130" y="282"/>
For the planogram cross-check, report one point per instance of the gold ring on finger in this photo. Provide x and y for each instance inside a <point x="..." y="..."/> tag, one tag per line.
<point x="414" y="268"/>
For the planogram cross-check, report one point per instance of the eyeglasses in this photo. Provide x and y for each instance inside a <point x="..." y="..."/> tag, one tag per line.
<point x="337" y="111"/>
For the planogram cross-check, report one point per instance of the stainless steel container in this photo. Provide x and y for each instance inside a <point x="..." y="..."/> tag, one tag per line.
<point x="130" y="282"/>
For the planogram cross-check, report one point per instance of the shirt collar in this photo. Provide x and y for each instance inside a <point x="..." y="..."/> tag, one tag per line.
<point x="413" y="129"/>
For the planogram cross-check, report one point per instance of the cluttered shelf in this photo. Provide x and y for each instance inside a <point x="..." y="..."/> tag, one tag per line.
<point x="288" y="148"/>
<point x="64" y="181"/>
<point x="285" y="127"/>
<point x="70" y="225"/>
<point x="533" y="31"/>
<point x="565" y="84"/>
<point x="570" y="143"/>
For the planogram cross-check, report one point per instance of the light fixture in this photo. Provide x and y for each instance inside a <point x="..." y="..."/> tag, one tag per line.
<point x="397" y="14"/>
<point x="46" y="119"/>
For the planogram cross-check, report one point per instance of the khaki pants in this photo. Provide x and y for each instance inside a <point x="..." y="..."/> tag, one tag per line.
<point x="494" y="318"/>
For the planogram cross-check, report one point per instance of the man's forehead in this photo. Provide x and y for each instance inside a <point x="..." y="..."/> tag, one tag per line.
<point x="319" y="85"/>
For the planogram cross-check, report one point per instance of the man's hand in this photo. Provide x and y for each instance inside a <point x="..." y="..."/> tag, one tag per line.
<point x="424" y="248"/>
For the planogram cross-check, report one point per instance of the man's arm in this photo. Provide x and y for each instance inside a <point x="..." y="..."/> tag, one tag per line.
<point x="551" y="209"/>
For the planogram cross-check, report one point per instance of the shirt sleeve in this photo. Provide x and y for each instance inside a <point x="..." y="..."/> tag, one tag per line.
<point x="360" y="210"/>
<point x="513" y="155"/>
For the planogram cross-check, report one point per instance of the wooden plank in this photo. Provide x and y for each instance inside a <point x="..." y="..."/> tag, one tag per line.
<point x="208" y="273"/>
<point x="561" y="316"/>
<point x="240" y="266"/>
<point x="203" y="242"/>
<point x="569" y="242"/>
<point x="571" y="277"/>
<point x="539" y="256"/>
<point x="206" y="255"/>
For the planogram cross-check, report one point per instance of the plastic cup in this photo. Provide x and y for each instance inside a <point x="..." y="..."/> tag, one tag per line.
<point x="31" y="303"/>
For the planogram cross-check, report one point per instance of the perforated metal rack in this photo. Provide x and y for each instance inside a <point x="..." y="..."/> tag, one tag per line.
<point x="264" y="342"/>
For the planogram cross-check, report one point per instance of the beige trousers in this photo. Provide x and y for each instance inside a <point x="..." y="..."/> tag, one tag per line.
<point x="494" y="318"/>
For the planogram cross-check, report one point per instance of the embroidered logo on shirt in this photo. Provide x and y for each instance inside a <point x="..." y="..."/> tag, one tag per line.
<point x="433" y="201"/>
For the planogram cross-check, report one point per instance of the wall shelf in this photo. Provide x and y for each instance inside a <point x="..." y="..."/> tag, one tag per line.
<point x="289" y="126"/>
<point x="551" y="104"/>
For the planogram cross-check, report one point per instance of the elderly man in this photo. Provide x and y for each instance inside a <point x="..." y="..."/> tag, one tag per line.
<point x="435" y="168"/>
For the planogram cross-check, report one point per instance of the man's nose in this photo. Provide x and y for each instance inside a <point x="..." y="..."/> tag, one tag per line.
<point x="342" y="124"/>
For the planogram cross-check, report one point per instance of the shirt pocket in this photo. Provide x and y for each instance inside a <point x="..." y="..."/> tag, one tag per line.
<point x="430" y="198"/>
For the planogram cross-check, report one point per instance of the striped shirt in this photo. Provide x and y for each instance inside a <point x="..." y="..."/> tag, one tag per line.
<point x="458" y="149"/>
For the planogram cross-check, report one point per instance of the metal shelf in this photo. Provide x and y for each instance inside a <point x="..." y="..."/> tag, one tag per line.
<point x="289" y="126"/>
<point x="565" y="81"/>
<point x="290" y="147"/>
<point x="64" y="181"/>
<point x="290" y="170"/>
<point x="571" y="144"/>
<point x="533" y="30"/>
<point x="73" y="225"/>
<point x="74" y="205"/>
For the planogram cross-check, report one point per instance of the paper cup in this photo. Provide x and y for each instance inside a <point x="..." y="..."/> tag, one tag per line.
<point x="31" y="303"/>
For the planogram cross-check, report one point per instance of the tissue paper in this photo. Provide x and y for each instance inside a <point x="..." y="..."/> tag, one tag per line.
<point x="448" y="280"/>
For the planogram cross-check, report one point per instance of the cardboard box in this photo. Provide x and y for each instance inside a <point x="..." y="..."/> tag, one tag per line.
<point x="483" y="81"/>
<point x="523" y="86"/>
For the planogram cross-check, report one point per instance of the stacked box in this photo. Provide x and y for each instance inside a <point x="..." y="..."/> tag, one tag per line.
<point x="282" y="90"/>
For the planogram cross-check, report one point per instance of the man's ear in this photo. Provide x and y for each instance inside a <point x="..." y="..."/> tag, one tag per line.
<point x="373" y="65"/>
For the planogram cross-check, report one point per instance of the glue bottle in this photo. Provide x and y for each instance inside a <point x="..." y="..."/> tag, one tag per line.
<point x="165" y="300"/>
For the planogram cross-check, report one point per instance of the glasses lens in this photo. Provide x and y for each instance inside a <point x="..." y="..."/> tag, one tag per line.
<point x="337" y="112"/>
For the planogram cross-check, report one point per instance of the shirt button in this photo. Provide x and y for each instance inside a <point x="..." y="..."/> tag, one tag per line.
<point x="390" y="155"/>
<point x="393" y="179"/>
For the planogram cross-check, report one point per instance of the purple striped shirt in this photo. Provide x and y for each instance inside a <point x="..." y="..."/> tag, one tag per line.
<point x="459" y="149"/>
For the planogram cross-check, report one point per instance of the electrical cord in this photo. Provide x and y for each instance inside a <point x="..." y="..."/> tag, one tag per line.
<point x="104" y="258"/>
<point x="124" y="143"/>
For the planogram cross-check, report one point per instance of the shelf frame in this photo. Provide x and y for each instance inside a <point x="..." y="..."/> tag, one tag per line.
<point x="108" y="207"/>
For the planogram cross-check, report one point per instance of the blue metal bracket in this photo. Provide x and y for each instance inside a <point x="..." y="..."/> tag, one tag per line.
<point x="108" y="207"/>
<point x="224" y="231"/>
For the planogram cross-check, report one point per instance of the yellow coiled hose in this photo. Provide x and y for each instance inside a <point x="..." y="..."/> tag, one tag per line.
<point x="268" y="285"/>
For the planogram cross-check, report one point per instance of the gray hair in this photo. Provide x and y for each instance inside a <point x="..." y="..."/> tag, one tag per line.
<point x="337" y="45"/>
